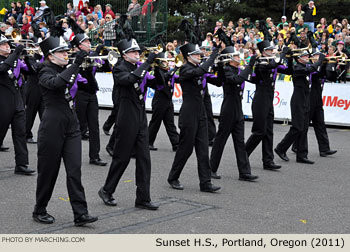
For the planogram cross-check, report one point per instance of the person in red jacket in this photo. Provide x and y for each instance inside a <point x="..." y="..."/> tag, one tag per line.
<point x="109" y="11"/>
<point x="87" y="9"/>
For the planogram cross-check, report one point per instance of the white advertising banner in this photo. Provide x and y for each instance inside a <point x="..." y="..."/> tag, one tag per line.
<point x="336" y="99"/>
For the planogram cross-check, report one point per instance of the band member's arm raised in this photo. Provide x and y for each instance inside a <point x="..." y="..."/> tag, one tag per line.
<point x="127" y="78"/>
<point x="68" y="76"/>
<point x="11" y="59"/>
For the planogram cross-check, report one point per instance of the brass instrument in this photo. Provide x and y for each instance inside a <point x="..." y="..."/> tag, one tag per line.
<point x="158" y="48"/>
<point x="89" y="61"/>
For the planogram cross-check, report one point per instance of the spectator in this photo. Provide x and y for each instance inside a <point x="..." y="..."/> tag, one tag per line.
<point x="345" y="24"/>
<point x="347" y="44"/>
<point x="301" y="26"/>
<point x="29" y="15"/>
<point x="134" y="10"/>
<point x="99" y="8"/>
<point x="12" y="22"/>
<point x="25" y="27"/>
<point x="154" y="12"/>
<point x="90" y="27"/>
<point x="252" y="39"/>
<point x="77" y="12"/>
<point x="11" y="13"/>
<point x="280" y="45"/>
<point x="241" y="39"/>
<point x="208" y="40"/>
<point x="70" y="9"/>
<point x="3" y="28"/>
<point x="247" y="24"/>
<point x="28" y="7"/>
<point x="310" y="13"/>
<point x="332" y="26"/>
<point x="68" y="33"/>
<point x="177" y="50"/>
<point x="323" y="23"/>
<point x="87" y="9"/>
<point x="299" y="13"/>
<point x="218" y="25"/>
<point x="39" y="14"/>
<point x="283" y="20"/>
<point x="170" y="48"/>
<point x="80" y="20"/>
<point x="97" y="12"/>
<point x="19" y="11"/>
<point x="324" y="48"/>
<point x="109" y="11"/>
<point x="109" y="34"/>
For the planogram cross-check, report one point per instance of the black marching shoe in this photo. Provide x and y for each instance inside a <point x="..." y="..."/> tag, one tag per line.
<point x="149" y="205"/>
<point x="175" y="147"/>
<point x="43" y="218"/>
<point x="31" y="141"/>
<point x="214" y="175"/>
<point x="175" y="184"/>
<point x="23" y="170"/>
<point x="85" y="137"/>
<point x="84" y="219"/>
<point x="281" y="154"/>
<point x="109" y="150"/>
<point x="107" y="198"/>
<point x="98" y="161"/>
<point x="151" y="147"/>
<point x="304" y="161"/>
<point x="248" y="177"/>
<point x="327" y="153"/>
<point x="106" y="131"/>
<point x="272" y="166"/>
<point x="3" y="148"/>
<point x="209" y="187"/>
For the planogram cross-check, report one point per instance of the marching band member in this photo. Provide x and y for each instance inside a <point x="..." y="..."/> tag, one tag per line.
<point x="262" y="105"/>
<point x="300" y="108"/>
<point x="12" y="105"/>
<point x="131" y="123"/>
<point x="86" y="98"/>
<point x="231" y="116"/>
<point x="59" y="134"/>
<point x="193" y="119"/>
<point x="162" y="104"/>
<point x="34" y="101"/>
<point x="317" y="80"/>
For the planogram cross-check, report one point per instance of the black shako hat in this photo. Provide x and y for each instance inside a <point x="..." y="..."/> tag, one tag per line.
<point x="3" y="39"/>
<point x="126" y="45"/>
<point x="265" y="45"/>
<point x="189" y="49"/>
<point x="53" y="44"/>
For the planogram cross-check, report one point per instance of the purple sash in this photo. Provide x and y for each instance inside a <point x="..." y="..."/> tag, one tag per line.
<point x="73" y="90"/>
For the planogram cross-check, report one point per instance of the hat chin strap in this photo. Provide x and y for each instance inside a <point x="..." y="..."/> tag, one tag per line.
<point x="59" y="61"/>
<point x="5" y="51"/>
<point x="194" y="60"/>
<point x="132" y="60"/>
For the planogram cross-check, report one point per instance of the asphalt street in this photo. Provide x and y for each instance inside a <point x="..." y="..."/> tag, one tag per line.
<point x="297" y="199"/>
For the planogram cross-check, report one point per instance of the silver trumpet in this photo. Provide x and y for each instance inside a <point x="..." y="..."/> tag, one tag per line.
<point x="90" y="61"/>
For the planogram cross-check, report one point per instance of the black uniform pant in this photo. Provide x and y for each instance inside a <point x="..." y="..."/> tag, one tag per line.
<point x="193" y="132"/>
<point x="34" y="105"/>
<point x="111" y="119"/>
<point x="262" y="131"/>
<point x="297" y="132"/>
<point x="317" y="118"/>
<point x="163" y="112"/>
<point x="55" y="141"/>
<point x="16" y="118"/>
<point x="234" y="127"/>
<point x="131" y="134"/>
<point x="211" y="123"/>
<point x="87" y="111"/>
